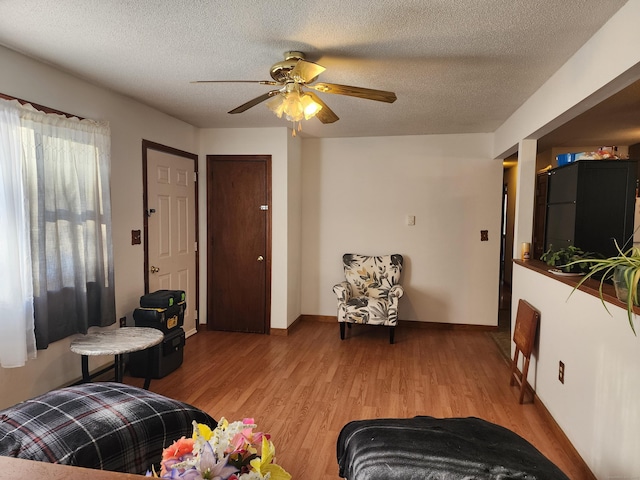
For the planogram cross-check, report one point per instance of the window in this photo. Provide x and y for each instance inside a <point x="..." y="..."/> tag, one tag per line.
<point x="56" y="208"/>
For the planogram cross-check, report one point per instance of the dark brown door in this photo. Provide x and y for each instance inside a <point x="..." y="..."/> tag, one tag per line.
<point x="238" y="244"/>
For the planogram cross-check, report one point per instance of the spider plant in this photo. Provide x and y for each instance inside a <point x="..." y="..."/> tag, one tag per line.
<point x="625" y="270"/>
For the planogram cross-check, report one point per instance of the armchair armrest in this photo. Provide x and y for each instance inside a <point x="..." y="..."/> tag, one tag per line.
<point x="342" y="291"/>
<point x="396" y="292"/>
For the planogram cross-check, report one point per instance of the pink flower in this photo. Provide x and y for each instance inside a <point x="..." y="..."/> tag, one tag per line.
<point x="177" y="452"/>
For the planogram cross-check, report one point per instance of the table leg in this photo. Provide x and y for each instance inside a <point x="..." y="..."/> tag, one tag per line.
<point x="119" y="364"/>
<point x="150" y="358"/>
<point x="85" y="369"/>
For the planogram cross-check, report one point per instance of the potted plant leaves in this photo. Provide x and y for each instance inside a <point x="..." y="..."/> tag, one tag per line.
<point x="567" y="260"/>
<point x="625" y="271"/>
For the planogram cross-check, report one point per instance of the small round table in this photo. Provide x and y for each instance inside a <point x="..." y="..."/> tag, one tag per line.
<point x="116" y="342"/>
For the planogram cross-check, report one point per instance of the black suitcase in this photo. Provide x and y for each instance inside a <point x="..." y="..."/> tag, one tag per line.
<point x="165" y="319"/>
<point x="166" y="357"/>
<point x="162" y="298"/>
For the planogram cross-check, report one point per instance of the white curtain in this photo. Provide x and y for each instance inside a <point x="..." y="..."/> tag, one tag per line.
<point x="66" y="172"/>
<point x="17" y="340"/>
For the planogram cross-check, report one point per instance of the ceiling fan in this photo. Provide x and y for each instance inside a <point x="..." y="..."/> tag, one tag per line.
<point x="294" y="74"/>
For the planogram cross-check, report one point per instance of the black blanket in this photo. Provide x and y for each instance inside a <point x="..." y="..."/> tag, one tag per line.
<point x="428" y="448"/>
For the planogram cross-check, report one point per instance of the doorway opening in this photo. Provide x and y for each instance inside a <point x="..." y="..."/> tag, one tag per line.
<point x="502" y="335"/>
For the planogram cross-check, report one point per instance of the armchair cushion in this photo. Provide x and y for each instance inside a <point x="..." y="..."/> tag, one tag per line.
<point x="374" y="311"/>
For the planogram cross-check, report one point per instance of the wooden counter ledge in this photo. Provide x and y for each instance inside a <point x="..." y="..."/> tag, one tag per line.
<point x="591" y="286"/>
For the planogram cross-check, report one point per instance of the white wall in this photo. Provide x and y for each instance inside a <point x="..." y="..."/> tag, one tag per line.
<point x="294" y="229"/>
<point x="597" y="406"/>
<point x="256" y="141"/>
<point x="130" y="123"/>
<point x="356" y="193"/>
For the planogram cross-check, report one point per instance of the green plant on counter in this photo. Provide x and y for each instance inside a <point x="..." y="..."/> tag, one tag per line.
<point x="625" y="271"/>
<point x="569" y="259"/>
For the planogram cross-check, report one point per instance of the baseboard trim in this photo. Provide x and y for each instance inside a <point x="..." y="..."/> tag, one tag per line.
<point x="586" y="473"/>
<point x="283" y="332"/>
<point x="407" y="323"/>
<point x="279" y="332"/>
<point x="319" y="318"/>
<point x="446" y="326"/>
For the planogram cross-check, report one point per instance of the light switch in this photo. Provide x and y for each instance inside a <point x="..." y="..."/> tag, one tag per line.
<point x="411" y="220"/>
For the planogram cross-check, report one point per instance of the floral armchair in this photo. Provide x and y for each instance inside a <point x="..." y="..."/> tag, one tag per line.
<point x="370" y="292"/>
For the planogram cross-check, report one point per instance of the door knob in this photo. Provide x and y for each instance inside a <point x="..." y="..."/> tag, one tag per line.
<point x="260" y="258"/>
<point x="154" y="269"/>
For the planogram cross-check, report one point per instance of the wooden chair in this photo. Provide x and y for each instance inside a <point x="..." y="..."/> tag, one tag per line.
<point x="524" y="335"/>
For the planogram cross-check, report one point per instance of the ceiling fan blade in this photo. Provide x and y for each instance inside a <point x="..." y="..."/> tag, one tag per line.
<point x="261" y="82"/>
<point x="368" y="93"/>
<point x="254" y="102"/>
<point x="306" y="71"/>
<point x="325" y="115"/>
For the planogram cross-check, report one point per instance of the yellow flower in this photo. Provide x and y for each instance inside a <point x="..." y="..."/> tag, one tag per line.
<point x="202" y="430"/>
<point x="264" y="466"/>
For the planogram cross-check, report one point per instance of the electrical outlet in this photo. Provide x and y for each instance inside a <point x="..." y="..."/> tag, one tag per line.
<point x="123" y="322"/>
<point x="561" y="372"/>
<point x="484" y="235"/>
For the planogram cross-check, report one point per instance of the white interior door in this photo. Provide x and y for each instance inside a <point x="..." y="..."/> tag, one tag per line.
<point x="172" y="227"/>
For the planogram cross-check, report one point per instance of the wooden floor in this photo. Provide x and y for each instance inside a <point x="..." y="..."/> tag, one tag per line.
<point x="303" y="388"/>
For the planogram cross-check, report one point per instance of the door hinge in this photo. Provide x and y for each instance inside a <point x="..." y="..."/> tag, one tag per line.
<point x="195" y="246"/>
<point x="264" y="207"/>
<point x="195" y="176"/>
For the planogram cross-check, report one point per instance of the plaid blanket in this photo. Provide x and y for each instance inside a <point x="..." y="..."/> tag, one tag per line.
<point x="108" y="426"/>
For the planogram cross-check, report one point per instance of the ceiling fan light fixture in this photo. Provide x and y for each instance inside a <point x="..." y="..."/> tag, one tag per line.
<point x="294" y="105"/>
<point x="293" y="108"/>
<point x="276" y="105"/>
<point x="310" y="106"/>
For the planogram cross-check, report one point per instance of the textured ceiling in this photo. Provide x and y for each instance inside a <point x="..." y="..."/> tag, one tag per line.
<point x="457" y="66"/>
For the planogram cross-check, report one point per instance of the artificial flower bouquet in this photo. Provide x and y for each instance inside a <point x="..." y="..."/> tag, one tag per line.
<point x="232" y="451"/>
